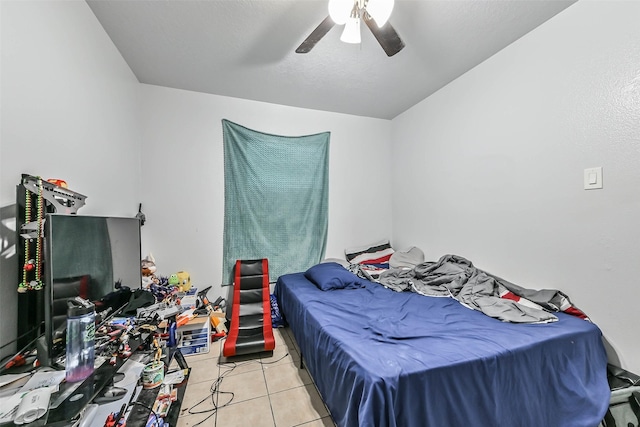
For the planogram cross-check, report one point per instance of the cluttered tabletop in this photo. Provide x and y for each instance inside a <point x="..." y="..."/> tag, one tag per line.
<point x="126" y="368"/>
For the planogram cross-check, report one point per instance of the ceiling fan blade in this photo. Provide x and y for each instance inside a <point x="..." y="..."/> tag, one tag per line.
<point x="315" y="36"/>
<point x="387" y="36"/>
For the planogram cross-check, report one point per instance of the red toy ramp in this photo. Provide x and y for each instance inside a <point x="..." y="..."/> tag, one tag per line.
<point x="250" y="330"/>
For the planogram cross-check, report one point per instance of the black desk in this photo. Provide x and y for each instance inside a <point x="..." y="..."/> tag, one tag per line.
<point x="140" y="412"/>
<point x="76" y="400"/>
<point x="76" y="396"/>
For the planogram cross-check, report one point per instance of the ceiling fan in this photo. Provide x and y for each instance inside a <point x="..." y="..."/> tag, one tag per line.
<point x="374" y="13"/>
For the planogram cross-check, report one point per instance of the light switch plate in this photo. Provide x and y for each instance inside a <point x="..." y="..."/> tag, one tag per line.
<point x="593" y="178"/>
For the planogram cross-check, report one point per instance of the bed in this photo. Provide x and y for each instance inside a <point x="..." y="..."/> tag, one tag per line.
<point x="384" y="358"/>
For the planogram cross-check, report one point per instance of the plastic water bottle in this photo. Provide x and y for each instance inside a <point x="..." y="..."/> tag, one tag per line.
<point x="172" y="333"/>
<point x="81" y="332"/>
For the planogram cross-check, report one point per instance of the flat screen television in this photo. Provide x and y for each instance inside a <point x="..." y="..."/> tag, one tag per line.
<point x="87" y="256"/>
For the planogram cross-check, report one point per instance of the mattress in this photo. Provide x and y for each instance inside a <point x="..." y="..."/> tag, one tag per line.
<point x="384" y="358"/>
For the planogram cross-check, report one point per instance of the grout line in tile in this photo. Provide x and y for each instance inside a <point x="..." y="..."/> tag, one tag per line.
<point x="307" y="422"/>
<point x="273" y="417"/>
<point x="289" y="343"/>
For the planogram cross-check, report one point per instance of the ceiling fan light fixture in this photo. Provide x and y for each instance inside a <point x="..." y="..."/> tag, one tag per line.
<point x="340" y="10"/>
<point x="349" y="13"/>
<point x="380" y="10"/>
<point x="351" y="33"/>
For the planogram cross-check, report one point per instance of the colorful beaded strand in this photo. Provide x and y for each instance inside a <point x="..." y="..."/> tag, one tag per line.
<point x="38" y="281"/>
<point x="23" y="286"/>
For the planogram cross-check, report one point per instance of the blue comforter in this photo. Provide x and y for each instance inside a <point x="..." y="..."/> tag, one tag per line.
<point x="382" y="358"/>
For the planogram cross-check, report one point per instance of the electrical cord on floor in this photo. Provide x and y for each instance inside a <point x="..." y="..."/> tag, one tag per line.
<point x="215" y="388"/>
<point x="212" y="393"/>
<point x="271" y="363"/>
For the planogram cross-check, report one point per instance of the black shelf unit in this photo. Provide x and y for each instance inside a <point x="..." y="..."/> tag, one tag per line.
<point x="55" y="199"/>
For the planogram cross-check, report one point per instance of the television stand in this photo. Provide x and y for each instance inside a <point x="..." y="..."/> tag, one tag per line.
<point x="141" y="411"/>
<point x="72" y="399"/>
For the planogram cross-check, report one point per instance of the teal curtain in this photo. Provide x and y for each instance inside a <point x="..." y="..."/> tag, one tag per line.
<point x="275" y="199"/>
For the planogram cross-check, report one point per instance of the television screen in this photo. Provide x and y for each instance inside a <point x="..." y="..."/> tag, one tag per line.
<point x="87" y="256"/>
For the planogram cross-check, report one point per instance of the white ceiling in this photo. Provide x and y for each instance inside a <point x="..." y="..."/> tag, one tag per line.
<point x="245" y="48"/>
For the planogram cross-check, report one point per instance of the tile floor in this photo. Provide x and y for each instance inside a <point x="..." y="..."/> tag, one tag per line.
<point x="261" y="390"/>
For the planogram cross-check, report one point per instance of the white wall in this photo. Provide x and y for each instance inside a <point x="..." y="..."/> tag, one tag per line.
<point x="69" y="111"/>
<point x="490" y="167"/>
<point x="493" y="164"/>
<point x="72" y="109"/>
<point x="183" y="175"/>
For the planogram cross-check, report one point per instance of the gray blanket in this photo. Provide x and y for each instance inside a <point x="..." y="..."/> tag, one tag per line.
<point x="456" y="277"/>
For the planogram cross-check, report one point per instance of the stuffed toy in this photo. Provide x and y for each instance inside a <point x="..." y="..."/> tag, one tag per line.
<point x="173" y="280"/>
<point x="181" y="279"/>
<point x="184" y="280"/>
<point x="148" y="266"/>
